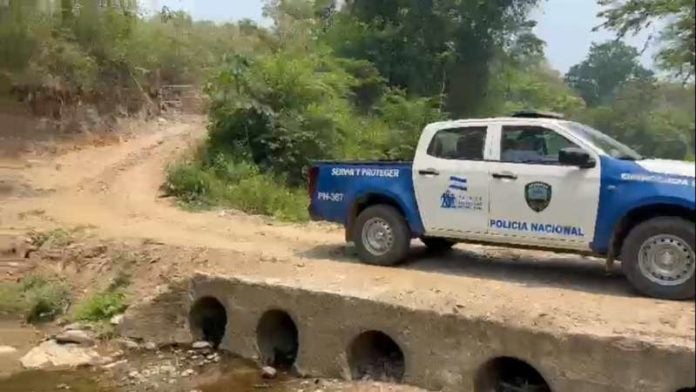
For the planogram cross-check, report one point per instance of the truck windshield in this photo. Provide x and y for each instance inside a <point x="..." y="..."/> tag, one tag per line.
<point x="605" y="143"/>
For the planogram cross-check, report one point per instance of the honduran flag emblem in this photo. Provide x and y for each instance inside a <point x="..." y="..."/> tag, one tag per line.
<point x="458" y="183"/>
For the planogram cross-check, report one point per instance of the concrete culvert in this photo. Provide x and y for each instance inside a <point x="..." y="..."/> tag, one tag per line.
<point x="374" y="355"/>
<point x="208" y="320"/>
<point x="508" y="374"/>
<point x="277" y="339"/>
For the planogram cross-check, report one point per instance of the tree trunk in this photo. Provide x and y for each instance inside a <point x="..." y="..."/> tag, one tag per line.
<point x="66" y="10"/>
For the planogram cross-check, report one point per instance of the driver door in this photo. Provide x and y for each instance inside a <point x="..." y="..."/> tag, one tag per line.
<point x="534" y="199"/>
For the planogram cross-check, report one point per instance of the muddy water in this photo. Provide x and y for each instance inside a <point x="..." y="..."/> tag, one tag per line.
<point x="230" y="374"/>
<point x="234" y="375"/>
<point x="43" y="381"/>
<point x="22" y="338"/>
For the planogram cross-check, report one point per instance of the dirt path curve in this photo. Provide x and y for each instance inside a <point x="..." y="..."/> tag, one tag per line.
<point x="114" y="190"/>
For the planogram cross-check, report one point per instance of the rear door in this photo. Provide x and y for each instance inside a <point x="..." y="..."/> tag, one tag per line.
<point x="536" y="200"/>
<point x="451" y="180"/>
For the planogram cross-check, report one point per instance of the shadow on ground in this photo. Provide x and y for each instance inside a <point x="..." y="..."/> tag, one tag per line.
<point x="528" y="268"/>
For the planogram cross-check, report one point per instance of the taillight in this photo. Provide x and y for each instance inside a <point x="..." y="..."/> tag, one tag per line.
<point x="312" y="174"/>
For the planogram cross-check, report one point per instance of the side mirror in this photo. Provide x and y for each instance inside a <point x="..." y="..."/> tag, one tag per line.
<point x="573" y="156"/>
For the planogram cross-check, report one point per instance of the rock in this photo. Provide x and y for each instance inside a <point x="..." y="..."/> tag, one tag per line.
<point x="75" y="336"/>
<point x="128" y="344"/>
<point x="133" y="374"/>
<point x="115" y="364"/>
<point x="5" y="350"/>
<point x="95" y="251"/>
<point x="116" y="320"/>
<point x="268" y="372"/>
<point x="77" y="327"/>
<point x="188" y="373"/>
<point x="51" y="354"/>
<point x="167" y="369"/>
<point x="150" y="346"/>
<point x="201" y="345"/>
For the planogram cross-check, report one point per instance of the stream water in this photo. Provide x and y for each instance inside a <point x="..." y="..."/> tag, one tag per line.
<point x="154" y="371"/>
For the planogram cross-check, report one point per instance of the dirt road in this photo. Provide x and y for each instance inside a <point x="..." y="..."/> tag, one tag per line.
<point x="114" y="192"/>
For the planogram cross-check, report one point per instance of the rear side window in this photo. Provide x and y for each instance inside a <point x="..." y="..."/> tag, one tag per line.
<point x="465" y="144"/>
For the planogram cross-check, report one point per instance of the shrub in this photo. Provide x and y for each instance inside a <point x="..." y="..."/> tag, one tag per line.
<point x="55" y="237"/>
<point x="36" y="298"/>
<point x="101" y="306"/>
<point x="226" y="182"/>
<point x="10" y="299"/>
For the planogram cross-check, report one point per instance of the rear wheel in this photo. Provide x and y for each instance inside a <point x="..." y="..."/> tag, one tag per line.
<point x="438" y="244"/>
<point x="658" y="258"/>
<point x="381" y="235"/>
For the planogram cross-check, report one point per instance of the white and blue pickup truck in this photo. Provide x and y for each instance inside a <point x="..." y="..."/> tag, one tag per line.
<point x="531" y="180"/>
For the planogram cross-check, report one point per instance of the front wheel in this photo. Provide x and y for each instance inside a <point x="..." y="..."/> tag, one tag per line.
<point x="381" y="235"/>
<point x="658" y="258"/>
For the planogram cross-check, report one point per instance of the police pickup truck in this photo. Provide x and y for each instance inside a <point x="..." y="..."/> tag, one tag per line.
<point x="531" y="180"/>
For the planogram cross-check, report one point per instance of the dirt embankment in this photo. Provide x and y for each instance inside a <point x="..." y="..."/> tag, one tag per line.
<point x="112" y="193"/>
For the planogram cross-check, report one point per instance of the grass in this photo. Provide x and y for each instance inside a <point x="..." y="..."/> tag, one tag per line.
<point x="237" y="185"/>
<point x="101" y="306"/>
<point x="56" y="237"/>
<point x="36" y="298"/>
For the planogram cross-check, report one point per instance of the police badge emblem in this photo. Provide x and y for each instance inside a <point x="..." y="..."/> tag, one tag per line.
<point x="538" y="195"/>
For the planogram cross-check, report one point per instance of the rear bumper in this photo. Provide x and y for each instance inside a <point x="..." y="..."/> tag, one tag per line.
<point x="313" y="215"/>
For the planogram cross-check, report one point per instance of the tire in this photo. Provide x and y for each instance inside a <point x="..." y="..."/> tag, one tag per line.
<point x="670" y="236"/>
<point x="438" y="245"/>
<point x="388" y="220"/>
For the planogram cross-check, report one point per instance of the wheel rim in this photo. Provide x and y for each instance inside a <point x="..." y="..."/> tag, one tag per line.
<point x="667" y="260"/>
<point x="377" y="236"/>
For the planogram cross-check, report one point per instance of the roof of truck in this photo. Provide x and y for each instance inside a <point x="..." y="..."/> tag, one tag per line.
<point x="526" y="120"/>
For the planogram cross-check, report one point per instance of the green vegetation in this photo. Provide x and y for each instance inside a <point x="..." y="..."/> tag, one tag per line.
<point x="71" y="57"/>
<point x="356" y="81"/>
<point x="240" y="185"/>
<point x="677" y="52"/>
<point x="101" y="306"/>
<point x="35" y="298"/>
<point x="56" y="237"/>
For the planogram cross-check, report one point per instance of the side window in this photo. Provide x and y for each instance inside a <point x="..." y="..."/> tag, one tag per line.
<point x="466" y="144"/>
<point x="528" y="144"/>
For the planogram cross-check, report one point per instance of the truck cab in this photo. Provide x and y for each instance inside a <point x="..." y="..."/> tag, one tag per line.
<point x="527" y="181"/>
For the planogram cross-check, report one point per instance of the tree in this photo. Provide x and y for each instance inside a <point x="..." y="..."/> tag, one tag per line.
<point x="643" y="116"/>
<point x="608" y="67"/>
<point x="678" y="53"/>
<point x="430" y="48"/>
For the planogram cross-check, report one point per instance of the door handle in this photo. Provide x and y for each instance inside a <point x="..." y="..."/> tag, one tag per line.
<point x="504" y="176"/>
<point x="429" y="172"/>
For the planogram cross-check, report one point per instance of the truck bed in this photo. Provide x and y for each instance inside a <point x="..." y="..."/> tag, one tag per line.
<point x="338" y="187"/>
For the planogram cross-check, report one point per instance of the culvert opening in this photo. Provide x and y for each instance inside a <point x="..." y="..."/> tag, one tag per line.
<point x="208" y="320"/>
<point x="692" y="389"/>
<point x="375" y="356"/>
<point x="277" y="338"/>
<point x="508" y="374"/>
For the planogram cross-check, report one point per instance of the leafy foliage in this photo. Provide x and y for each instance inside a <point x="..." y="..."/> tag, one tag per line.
<point x="36" y="298"/>
<point x="607" y="68"/>
<point x="107" y="55"/>
<point x="678" y="50"/>
<point x="101" y="306"/>
<point x="431" y="48"/>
